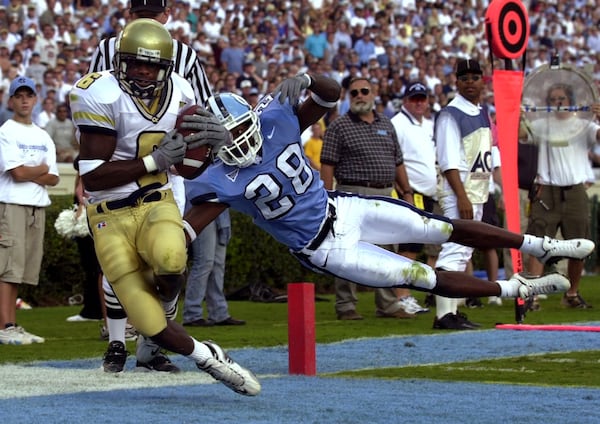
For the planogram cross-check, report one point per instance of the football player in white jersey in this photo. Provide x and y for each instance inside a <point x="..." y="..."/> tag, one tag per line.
<point x="127" y="144"/>
<point x="263" y="173"/>
<point x="186" y="64"/>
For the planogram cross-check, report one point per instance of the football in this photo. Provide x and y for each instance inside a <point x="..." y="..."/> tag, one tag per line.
<point x="195" y="160"/>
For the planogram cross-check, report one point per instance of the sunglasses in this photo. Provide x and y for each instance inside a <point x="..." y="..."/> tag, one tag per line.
<point x="363" y="91"/>
<point x="465" y="78"/>
<point x="558" y="99"/>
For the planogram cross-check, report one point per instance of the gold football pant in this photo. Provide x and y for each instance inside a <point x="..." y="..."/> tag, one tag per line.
<point x="130" y="240"/>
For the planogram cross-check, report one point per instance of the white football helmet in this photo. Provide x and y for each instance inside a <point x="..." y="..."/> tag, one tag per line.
<point x="237" y="116"/>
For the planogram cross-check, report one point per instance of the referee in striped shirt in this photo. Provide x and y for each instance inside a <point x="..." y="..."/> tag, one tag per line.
<point x="186" y="62"/>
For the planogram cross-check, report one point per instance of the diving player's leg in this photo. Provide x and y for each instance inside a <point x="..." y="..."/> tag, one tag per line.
<point x="484" y="236"/>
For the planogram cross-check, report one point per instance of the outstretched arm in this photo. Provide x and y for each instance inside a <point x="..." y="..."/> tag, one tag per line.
<point x="325" y="92"/>
<point x="199" y="216"/>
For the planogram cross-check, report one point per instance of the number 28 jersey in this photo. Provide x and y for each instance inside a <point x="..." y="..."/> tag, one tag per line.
<point x="281" y="192"/>
<point x="99" y="105"/>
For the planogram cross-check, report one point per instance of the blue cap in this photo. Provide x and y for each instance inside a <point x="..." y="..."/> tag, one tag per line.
<point x="416" y="89"/>
<point x="20" y="82"/>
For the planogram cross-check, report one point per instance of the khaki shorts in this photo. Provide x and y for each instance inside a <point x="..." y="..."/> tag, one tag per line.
<point x="21" y="243"/>
<point x="559" y="207"/>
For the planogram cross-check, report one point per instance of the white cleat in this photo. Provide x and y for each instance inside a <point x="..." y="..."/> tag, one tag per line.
<point x="227" y="371"/>
<point x="555" y="250"/>
<point x="553" y="282"/>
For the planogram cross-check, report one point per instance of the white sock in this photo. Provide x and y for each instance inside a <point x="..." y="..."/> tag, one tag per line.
<point x="509" y="288"/>
<point x="444" y="305"/>
<point x="201" y="352"/>
<point x="116" y="329"/>
<point x="532" y="245"/>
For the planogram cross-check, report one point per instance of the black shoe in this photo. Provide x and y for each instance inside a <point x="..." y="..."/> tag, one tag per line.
<point x="159" y="363"/>
<point x="115" y="357"/>
<point x="231" y="321"/>
<point x="450" y="321"/>
<point x="462" y="317"/>
<point x="199" y="323"/>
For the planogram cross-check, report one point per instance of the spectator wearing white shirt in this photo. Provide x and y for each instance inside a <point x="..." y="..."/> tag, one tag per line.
<point x="47" y="113"/>
<point x="593" y="39"/>
<point x="212" y="27"/>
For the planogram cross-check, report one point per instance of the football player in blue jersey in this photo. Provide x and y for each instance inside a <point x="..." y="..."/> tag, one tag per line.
<point x="263" y="173"/>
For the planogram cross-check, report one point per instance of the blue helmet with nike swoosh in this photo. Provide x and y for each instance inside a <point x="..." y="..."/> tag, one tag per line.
<point x="237" y="116"/>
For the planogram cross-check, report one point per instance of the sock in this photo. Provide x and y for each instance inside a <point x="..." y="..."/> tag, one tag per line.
<point x="444" y="305"/>
<point x="171" y="308"/>
<point x="509" y="288"/>
<point x="200" y="353"/>
<point x="116" y="329"/>
<point x="532" y="245"/>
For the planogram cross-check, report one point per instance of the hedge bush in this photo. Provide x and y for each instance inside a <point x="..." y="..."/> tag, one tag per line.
<point x="252" y="257"/>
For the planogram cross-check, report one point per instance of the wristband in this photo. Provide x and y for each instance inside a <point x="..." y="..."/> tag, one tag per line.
<point x="149" y="164"/>
<point x="323" y="103"/>
<point x="189" y="230"/>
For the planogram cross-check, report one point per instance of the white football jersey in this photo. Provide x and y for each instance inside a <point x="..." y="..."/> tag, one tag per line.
<point x="98" y="104"/>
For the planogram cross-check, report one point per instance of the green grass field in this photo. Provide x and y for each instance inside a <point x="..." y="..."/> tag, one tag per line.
<point x="267" y="326"/>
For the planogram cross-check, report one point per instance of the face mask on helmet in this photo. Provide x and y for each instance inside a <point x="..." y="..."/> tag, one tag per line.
<point x="236" y="115"/>
<point x="143" y="41"/>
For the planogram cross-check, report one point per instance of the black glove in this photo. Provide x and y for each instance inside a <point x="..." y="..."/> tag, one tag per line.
<point x="171" y="150"/>
<point x="206" y="130"/>
<point x="291" y="88"/>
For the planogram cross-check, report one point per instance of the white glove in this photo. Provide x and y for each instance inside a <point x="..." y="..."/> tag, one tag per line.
<point x="291" y="88"/>
<point x="206" y="130"/>
<point x="171" y="150"/>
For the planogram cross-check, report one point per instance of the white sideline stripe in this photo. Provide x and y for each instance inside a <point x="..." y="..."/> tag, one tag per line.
<point x="41" y="381"/>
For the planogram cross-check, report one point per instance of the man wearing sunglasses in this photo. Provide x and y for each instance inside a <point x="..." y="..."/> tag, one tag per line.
<point x="561" y="200"/>
<point x="464" y="143"/>
<point x="361" y="150"/>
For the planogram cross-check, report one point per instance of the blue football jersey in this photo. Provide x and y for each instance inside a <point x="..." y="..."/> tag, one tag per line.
<point x="281" y="192"/>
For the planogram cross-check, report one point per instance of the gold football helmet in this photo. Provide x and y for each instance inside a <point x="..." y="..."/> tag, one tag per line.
<point x="148" y="41"/>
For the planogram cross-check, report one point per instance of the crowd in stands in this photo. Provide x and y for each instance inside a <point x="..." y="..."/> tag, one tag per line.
<point x="248" y="46"/>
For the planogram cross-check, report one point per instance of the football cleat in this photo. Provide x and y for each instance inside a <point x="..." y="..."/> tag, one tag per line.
<point x="555" y="250"/>
<point x="150" y="358"/>
<point x="546" y="284"/>
<point x="221" y="367"/>
<point x="160" y="362"/>
<point x="115" y="357"/>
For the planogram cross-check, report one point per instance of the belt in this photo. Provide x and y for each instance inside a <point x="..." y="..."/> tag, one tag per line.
<point x="134" y="199"/>
<point x="325" y="229"/>
<point x="368" y="184"/>
<point x="563" y="189"/>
